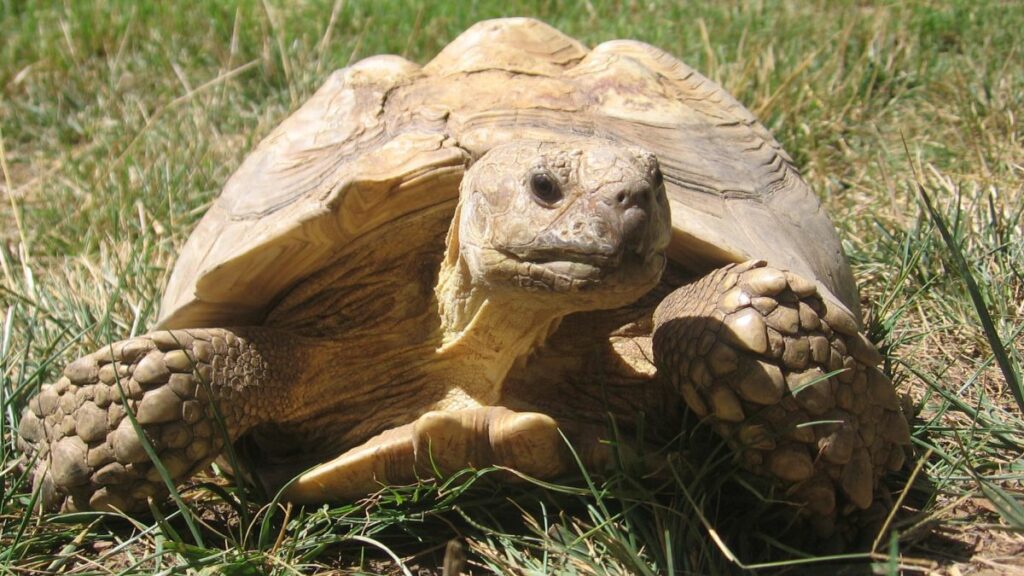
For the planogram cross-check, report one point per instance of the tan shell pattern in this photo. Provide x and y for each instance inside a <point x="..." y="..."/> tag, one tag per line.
<point x="385" y="138"/>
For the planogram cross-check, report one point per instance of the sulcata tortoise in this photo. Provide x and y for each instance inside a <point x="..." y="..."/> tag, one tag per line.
<point x="426" y="268"/>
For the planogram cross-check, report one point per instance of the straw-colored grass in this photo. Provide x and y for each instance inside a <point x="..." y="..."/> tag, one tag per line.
<point x="120" y="121"/>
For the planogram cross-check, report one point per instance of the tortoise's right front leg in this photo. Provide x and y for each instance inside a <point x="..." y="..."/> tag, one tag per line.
<point x="87" y="452"/>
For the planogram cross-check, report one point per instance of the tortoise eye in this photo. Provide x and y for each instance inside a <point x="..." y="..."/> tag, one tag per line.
<point x="659" y="179"/>
<point x="545" y="189"/>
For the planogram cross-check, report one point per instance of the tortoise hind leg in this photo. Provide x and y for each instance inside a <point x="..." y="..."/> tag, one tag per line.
<point x="788" y="379"/>
<point x="441" y="441"/>
<point x="86" y="450"/>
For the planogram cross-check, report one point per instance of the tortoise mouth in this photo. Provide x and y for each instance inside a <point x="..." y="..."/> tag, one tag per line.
<point x="598" y="258"/>
<point x="556" y="275"/>
<point x="564" y="272"/>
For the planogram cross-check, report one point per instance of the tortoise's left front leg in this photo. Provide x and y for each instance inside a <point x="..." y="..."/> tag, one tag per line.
<point x="788" y="379"/>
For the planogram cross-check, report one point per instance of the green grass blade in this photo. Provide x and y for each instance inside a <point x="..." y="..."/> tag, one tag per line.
<point x="998" y="348"/>
<point x="172" y="488"/>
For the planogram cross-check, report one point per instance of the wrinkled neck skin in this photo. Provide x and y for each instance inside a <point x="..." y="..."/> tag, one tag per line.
<point x="485" y="333"/>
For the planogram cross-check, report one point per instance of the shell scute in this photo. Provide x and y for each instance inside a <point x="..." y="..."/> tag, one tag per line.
<point x="384" y="138"/>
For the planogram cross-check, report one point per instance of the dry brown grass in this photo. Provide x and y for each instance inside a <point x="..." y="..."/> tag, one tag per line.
<point x="114" y="148"/>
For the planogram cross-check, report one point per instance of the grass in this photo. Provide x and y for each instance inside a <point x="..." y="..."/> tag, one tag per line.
<point x="119" y="122"/>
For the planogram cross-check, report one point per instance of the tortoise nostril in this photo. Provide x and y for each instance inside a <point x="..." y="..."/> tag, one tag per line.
<point x="621" y="197"/>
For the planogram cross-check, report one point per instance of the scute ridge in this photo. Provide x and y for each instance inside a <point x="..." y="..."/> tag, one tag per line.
<point x="500" y="81"/>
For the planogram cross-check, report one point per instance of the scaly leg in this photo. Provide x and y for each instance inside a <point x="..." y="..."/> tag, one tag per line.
<point x="87" y="452"/>
<point x="749" y="348"/>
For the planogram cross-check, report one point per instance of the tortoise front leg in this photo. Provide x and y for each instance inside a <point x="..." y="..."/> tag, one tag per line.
<point x="442" y="441"/>
<point x="788" y="379"/>
<point x="87" y="452"/>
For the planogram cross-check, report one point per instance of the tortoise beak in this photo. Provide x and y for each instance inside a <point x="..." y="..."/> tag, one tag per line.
<point x="616" y="226"/>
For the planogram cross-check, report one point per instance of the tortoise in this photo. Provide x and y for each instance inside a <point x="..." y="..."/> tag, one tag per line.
<point x="428" y="268"/>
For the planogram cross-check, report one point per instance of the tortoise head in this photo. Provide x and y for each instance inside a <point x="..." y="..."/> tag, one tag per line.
<point x="565" y="226"/>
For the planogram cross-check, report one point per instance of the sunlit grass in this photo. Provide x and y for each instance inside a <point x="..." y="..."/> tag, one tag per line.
<point x="120" y="121"/>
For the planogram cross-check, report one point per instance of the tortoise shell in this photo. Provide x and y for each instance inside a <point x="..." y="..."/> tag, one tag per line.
<point x="386" y="138"/>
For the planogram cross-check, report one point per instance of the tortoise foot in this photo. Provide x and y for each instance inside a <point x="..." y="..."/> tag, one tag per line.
<point x="80" y="432"/>
<point x="785" y="375"/>
<point x="438" y="443"/>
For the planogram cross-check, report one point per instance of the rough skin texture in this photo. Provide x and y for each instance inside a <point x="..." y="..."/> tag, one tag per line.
<point x="747" y="347"/>
<point x="80" y="432"/>
<point x="788" y="380"/>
